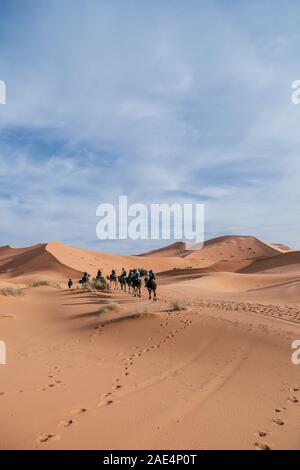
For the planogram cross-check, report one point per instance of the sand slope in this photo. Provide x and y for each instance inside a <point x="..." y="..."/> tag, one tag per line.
<point x="86" y="260"/>
<point x="230" y="248"/>
<point x="175" y="249"/>
<point x="226" y="248"/>
<point x="32" y="263"/>
<point x="283" y="263"/>
<point x="57" y="260"/>
<point x="216" y="375"/>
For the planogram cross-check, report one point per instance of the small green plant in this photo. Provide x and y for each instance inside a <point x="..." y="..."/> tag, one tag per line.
<point x="44" y="282"/>
<point x="110" y="306"/>
<point x="11" y="291"/>
<point x="177" y="305"/>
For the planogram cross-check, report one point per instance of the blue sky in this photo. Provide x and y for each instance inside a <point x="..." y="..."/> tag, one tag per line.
<point x="163" y="101"/>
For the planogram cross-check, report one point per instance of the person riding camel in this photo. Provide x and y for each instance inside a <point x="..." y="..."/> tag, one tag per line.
<point x="151" y="284"/>
<point x="85" y="277"/>
<point x="151" y="275"/>
<point x="122" y="279"/>
<point x="99" y="275"/>
<point x="137" y="273"/>
<point x="137" y="282"/>
<point x="129" y="279"/>
<point x="113" y="279"/>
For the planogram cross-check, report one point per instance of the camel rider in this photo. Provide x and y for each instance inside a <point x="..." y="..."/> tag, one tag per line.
<point x="99" y="274"/>
<point x="137" y="275"/>
<point x="151" y="275"/>
<point x="129" y="277"/>
<point x="85" y="277"/>
<point x="123" y="273"/>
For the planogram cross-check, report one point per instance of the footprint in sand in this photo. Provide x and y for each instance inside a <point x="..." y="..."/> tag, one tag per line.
<point x="261" y="446"/>
<point x="293" y="399"/>
<point x="67" y="423"/>
<point x="116" y="387"/>
<point x="279" y="422"/>
<point x="46" y="437"/>
<point x="104" y="395"/>
<point x="78" y="411"/>
<point x="262" y="434"/>
<point x="104" y="403"/>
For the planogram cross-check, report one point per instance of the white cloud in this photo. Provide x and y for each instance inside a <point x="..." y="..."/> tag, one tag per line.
<point x="145" y="97"/>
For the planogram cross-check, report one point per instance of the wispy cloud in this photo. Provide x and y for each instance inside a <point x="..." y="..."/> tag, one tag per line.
<point x="157" y="100"/>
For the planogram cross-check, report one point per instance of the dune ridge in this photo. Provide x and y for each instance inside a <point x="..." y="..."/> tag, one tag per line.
<point x="213" y="374"/>
<point x="227" y="253"/>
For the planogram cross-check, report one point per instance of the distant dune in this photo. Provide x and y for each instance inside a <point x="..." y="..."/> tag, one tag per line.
<point x="31" y="262"/>
<point x="284" y="263"/>
<point x="225" y="248"/>
<point x="208" y="365"/>
<point x="281" y="248"/>
<point x="175" y="249"/>
<point x="56" y="260"/>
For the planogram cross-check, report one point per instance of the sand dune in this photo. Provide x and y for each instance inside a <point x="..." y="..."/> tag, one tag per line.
<point x="216" y="374"/>
<point x="283" y="263"/>
<point x="175" y="249"/>
<point x="86" y="260"/>
<point x="280" y="247"/>
<point x="226" y="248"/>
<point x="33" y="262"/>
<point x="230" y="248"/>
<point x="57" y="260"/>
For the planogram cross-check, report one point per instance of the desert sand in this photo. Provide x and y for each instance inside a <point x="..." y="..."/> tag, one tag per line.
<point x="216" y="374"/>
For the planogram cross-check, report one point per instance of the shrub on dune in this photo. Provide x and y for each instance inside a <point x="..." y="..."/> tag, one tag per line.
<point x="177" y="305"/>
<point x="110" y="306"/>
<point x="11" y="291"/>
<point x="45" y="283"/>
<point x="141" y="310"/>
<point x="96" y="284"/>
<point x="100" y="284"/>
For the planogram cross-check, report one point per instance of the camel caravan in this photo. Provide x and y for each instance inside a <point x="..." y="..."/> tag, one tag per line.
<point x="130" y="282"/>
